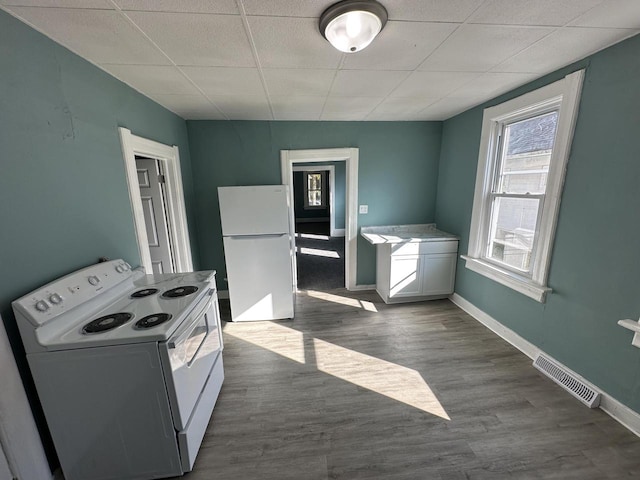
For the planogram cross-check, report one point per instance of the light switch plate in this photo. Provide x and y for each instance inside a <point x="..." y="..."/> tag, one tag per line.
<point x="364" y="209"/>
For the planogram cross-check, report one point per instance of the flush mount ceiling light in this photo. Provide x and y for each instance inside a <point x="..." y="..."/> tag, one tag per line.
<point x="351" y="25"/>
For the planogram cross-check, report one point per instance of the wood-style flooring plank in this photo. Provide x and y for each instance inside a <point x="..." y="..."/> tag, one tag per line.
<point x="353" y="388"/>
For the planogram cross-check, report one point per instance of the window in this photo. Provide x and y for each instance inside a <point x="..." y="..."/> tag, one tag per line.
<point x="314" y="190"/>
<point x="524" y="149"/>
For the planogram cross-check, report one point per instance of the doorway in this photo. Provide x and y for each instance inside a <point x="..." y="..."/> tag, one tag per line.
<point x="167" y="160"/>
<point x="350" y="157"/>
<point x="319" y="206"/>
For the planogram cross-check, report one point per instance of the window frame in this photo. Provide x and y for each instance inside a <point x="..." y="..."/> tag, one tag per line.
<point x="563" y="96"/>
<point x="323" y="190"/>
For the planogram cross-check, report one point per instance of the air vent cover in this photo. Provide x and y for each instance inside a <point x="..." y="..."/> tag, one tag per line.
<point x="577" y="388"/>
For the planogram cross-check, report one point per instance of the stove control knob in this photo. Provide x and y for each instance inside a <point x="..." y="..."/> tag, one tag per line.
<point x="55" y="298"/>
<point x="93" y="280"/>
<point x="42" y="306"/>
<point x="120" y="269"/>
<point x="126" y="266"/>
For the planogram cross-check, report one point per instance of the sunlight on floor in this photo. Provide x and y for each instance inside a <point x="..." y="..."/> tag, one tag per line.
<point x="313" y="236"/>
<point x="318" y="253"/>
<point x="351" y="302"/>
<point x="389" y="379"/>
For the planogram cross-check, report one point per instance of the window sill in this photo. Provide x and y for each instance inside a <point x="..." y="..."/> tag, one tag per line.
<point x="521" y="284"/>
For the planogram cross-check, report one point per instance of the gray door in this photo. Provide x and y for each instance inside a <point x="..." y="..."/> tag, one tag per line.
<point x="151" y="183"/>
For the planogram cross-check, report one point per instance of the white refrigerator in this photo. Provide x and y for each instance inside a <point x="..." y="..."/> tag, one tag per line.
<point x="258" y="251"/>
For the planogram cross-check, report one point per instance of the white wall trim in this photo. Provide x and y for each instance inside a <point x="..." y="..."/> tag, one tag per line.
<point x="363" y="288"/>
<point x="350" y="156"/>
<point x="614" y="408"/>
<point x="133" y="145"/>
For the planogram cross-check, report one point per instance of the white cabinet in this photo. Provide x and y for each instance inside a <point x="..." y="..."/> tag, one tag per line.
<point x="413" y="271"/>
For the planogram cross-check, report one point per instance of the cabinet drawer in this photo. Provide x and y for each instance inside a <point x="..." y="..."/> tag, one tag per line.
<point x="424" y="248"/>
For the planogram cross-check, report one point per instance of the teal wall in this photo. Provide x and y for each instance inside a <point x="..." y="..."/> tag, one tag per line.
<point x="339" y="194"/>
<point x="398" y="171"/>
<point x="595" y="267"/>
<point x="63" y="189"/>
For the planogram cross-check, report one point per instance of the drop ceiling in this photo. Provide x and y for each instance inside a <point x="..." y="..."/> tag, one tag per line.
<point x="266" y="60"/>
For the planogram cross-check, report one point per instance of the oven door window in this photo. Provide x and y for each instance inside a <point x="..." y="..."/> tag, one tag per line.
<point x="194" y="340"/>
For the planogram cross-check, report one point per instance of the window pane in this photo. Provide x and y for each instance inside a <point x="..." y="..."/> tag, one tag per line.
<point x="513" y="226"/>
<point x="526" y="152"/>
<point x="314" y="181"/>
<point x="315" y="198"/>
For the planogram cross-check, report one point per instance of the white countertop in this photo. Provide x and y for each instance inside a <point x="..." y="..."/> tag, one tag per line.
<point x="425" y="232"/>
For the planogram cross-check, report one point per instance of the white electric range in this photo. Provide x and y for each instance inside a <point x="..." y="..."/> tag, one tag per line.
<point x="127" y="367"/>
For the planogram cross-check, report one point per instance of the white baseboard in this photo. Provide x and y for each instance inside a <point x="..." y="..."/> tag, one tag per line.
<point x="362" y="288"/>
<point x="614" y="408"/>
<point x="338" y="232"/>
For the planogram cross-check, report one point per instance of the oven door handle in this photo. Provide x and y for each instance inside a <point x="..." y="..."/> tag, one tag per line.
<point x="188" y="328"/>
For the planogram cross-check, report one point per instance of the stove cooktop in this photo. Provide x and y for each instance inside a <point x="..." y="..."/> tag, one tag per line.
<point x="155" y="306"/>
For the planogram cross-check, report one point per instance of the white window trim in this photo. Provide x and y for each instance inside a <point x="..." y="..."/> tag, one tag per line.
<point x="566" y="92"/>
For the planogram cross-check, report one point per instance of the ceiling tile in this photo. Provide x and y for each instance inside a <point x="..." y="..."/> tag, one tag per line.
<point x="348" y="108"/>
<point x="431" y="10"/>
<point x="358" y="83"/>
<point x="101" y="36"/>
<point x="226" y="80"/>
<point x="400" y="46"/>
<point x="478" y="48"/>
<point x="190" y="107"/>
<point x="100" y="4"/>
<point x="287" y="8"/>
<point x="153" y="79"/>
<point x="198" y="39"/>
<point x="183" y="6"/>
<point x="291" y="42"/>
<point x="400" y="108"/>
<point x="446" y="108"/>
<point x="298" y="82"/>
<point x="613" y="13"/>
<point x="306" y="107"/>
<point x="527" y="12"/>
<point x="563" y="47"/>
<point x="429" y="85"/>
<point x="491" y="84"/>
<point x="244" y="107"/>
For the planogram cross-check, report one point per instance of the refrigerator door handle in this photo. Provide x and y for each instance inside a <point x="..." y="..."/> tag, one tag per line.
<point x="270" y="235"/>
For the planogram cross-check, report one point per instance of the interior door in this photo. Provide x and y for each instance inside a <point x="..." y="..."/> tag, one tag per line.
<point x="150" y="182"/>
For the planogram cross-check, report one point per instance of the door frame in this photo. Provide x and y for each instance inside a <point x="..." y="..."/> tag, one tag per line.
<point x="133" y="145"/>
<point x="350" y="156"/>
<point x="331" y="197"/>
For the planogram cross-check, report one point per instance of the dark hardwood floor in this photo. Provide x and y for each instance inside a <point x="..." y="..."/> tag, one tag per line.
<point x="356" y="389"/>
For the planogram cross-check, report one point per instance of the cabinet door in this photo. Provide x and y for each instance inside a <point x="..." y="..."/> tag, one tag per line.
<point x="406" y="276"/>
<point x="438" y="274"/>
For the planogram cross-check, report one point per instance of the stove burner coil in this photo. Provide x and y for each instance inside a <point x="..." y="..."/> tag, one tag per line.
<point x="180" y="292"/>
<point x="144" y="293"/>
<point x="152" y="320"/>
<point x="106" y="323"/>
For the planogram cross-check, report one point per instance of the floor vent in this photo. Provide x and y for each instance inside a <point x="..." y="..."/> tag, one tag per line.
<point x="577" y="388"/>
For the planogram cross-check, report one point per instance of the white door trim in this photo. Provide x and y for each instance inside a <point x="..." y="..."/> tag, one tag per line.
<point x="350" y="156"/>
<point x="133" y="145"/>
<point x="332" y="187"/>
